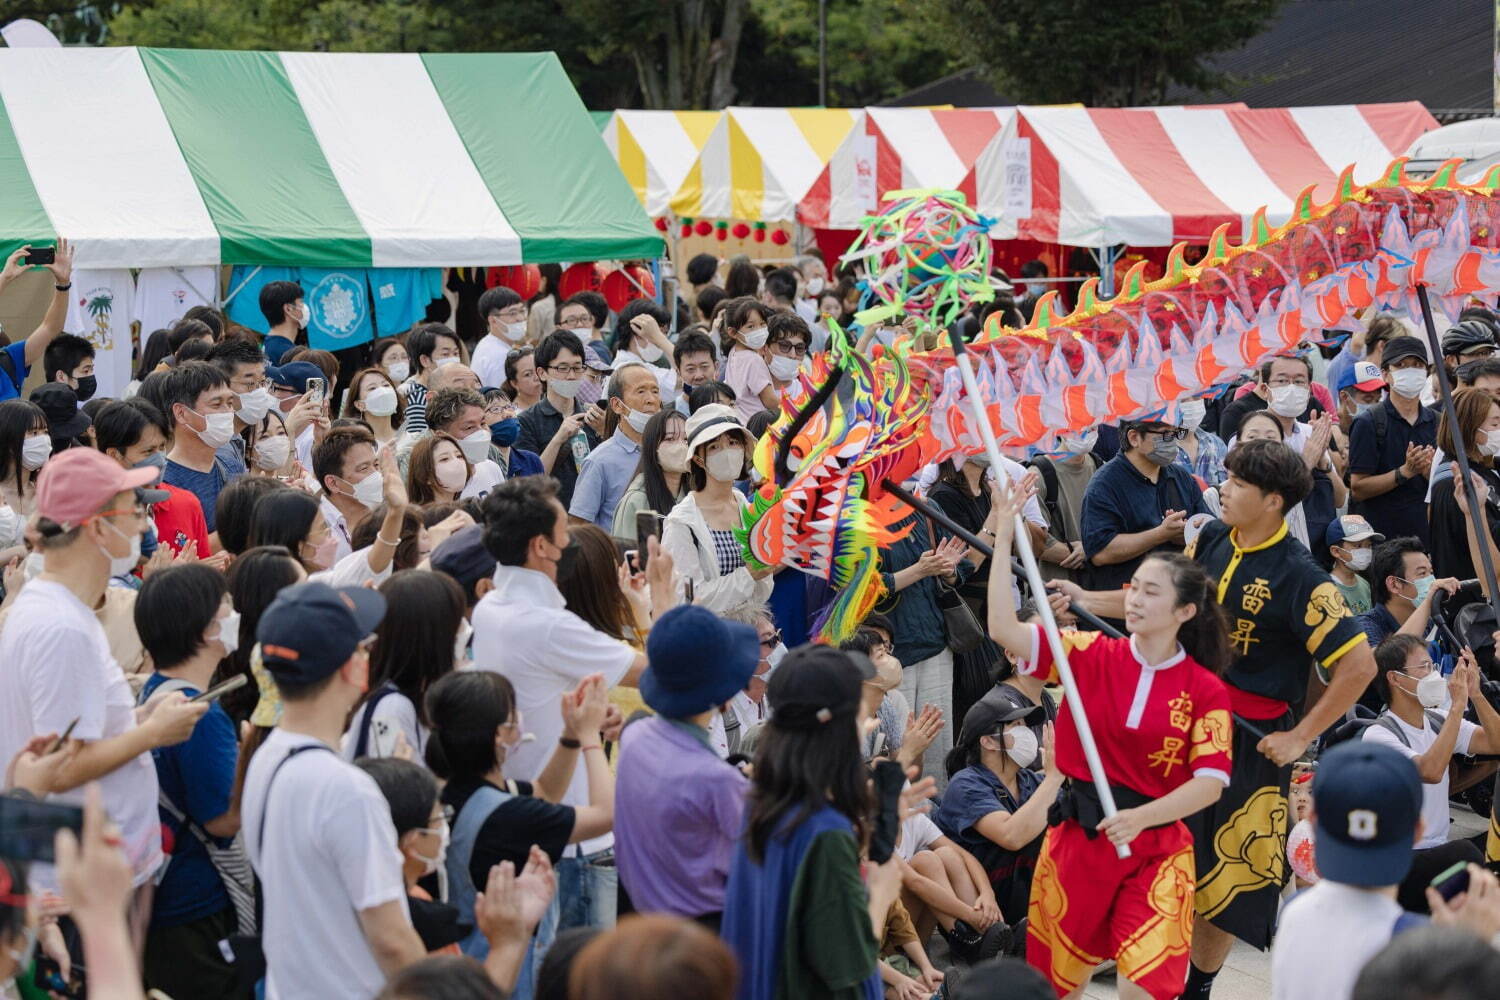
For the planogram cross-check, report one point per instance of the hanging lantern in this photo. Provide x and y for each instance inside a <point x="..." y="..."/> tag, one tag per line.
<point x="661" y="224"/>
<point x="686" y="230"/>
<point x="779" y="237"/>
<point x="582" y="277"/>
<point x="741" y="230"/>
<point x="704" y="227"/>
<point x="760" y="232"/>
<point x="523" y="279"/>
<point x="721" y="231"/>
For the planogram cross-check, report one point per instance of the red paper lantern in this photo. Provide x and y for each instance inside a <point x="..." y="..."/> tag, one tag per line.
<point x="523" y="279"/>
<point x="779" y="237"/>
<point x="741" y="230"/>
<point x="721" y="231"/>
<point x="686" y="230"/>
<point x="661" y="224"/>
<point x="585" y="277"/>
<point x="704" y="227"/>
<point x="760" y="236"/>
<point x="625" y="285"/>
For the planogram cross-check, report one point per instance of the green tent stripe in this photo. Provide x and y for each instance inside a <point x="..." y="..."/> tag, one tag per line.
<point x="574" y="205"/>
<point x="601" y="119"/>
<point x="255" y="159"/>
<point x="23" y="220"/>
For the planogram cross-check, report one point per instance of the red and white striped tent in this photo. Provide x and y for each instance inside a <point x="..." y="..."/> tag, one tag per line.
<point x="1151" y="177"/>
<point x="891" y="149"/>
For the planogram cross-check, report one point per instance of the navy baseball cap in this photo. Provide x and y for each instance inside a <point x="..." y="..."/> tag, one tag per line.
<point x="293" y="375"/>
<point x="462" y="555"/>
<point x="311" y="629"/>
<point x="1401" y="348"/>
<point x="1368" y="800"/>
<point x="679" y="680"/>
<point x="812" y="685"/>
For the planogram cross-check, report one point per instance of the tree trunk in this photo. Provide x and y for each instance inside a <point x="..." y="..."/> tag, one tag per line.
<point x="725" y="50"/>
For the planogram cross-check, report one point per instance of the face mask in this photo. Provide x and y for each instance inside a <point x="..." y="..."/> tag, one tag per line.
<point x="398" y="371"/>
<point x="431" y="865"/>
<point x="149" y="542"/>
<point x="218" y="429"/>
<point x="157" y="461"/>
<point x="35" y="451"/>
<point x="503" y="433"/>
<point x="755" y="338"/>
<point x="513" y="332"/>
<point x="370" y="490"/>
<point x="979" y="461"/>
<point x="1409" y="382"/>
<point x="783" y="368"/>
<point x="380" y="401"/>
<point x="254" y="405"/>
<point x="121" y="565"/>
<point x="1430" y="690"/>
<point x="322" y="556"/>
<point x="476" y="446"/>
<point x="725" y="465"/>
<point x="1082" y="443"/>
<point x="271" y="453"/>
<point x="1023" y="746"/>
<point x="87" y="386"/>
<point x="229" y="632"/>
<point x="304" y="317"/>
<point x="638" y="420"/>
<point x="1289" y="400"/>
<point x="649" y="353"/>
<point x="815" y="287"/>
<point x="567" y="388"/>
<point x="451" y="475"/>
<point x="461" y="642"/>
<point x="1359" y="559"/>
<point x="1424" y="588"/>
<point x="1489" y="445"/>
<point x="1164" y="452"/>
<point x="1192" y="414"/>
<point x="1361" y="408"/>
<point x="673" y="456"/>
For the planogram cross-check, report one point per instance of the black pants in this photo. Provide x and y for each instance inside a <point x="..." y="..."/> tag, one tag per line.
<point x="1427" y="864"/>
<point x="185" y="961"/>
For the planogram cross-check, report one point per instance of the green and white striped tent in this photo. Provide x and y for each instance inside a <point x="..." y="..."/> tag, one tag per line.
<point x="159" y="157"/>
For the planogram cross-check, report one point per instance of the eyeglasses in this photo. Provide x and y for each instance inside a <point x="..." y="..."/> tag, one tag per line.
<point x="513" y="313"/>
<point x="566" y="369"/>
<point x="770" y="641"/>
<point x="1420" y="669"/>
<point x="789" y="348"/>
<point x="1282" y="381"/>
<point x="576" y="323"/>
<point x="1175" y="434"/>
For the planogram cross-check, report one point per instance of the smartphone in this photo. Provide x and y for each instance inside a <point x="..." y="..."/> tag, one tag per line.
<point x="1452" y="881"/>
<point x="317" y="390"/>
<point x="633" y="561"/>
<point x="28" y="827"/>
<point x="647" y="526"/>
<point x="40" y="255"/>
<point x="890" y="779"/>
<point x="57" y="743"/>
<point x="687" y="588"/>
<point x="220" y="690"/>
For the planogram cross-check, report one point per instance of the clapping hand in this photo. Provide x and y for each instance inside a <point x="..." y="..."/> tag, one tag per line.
<point x="511" y="905"/>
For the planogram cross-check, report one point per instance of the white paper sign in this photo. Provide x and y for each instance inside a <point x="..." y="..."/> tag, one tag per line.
<point x="865" y="195"/>
<point x="1015" y="190"/>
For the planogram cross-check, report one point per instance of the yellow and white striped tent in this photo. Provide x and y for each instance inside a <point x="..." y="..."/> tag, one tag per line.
<point x="655" y="150"/>
<point x="758" y="163"/>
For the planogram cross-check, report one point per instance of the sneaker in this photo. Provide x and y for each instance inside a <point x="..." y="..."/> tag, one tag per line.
<point x="1017" y="947"/>
<point x="995" y="941"/>
<point x="963" y="942"/>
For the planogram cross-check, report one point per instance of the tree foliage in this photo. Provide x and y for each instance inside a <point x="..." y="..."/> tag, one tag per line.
<point x="1103" y="55"/>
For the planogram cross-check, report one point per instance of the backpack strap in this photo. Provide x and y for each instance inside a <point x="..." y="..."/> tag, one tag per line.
<point x="1382" y="422"/>
<point x="1389" y="723"/>
<point x="1052" y="497"/>
<point x="260" y="832"/>
<point x="367" y="717"/>
<point x="731" y="729"/>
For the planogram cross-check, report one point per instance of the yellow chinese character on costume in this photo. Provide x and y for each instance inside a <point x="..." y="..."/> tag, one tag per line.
<point x="1167" y="757"/>
<point x="1256" y="596"/>
<point x="1242" y="636"/>
<point x="1181" y="710"/>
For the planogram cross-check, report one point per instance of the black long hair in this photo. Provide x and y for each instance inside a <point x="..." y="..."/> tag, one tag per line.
<point x="414" y="642"/>
<point x="283" y="517"/>
<point x="1205" y="636"/>
<point x="18" y="419"/>
<point x="661" y="499"/>
<point x="255" y="578"/>
<point x="800" y="770"/>
<point x="466" y="707"/>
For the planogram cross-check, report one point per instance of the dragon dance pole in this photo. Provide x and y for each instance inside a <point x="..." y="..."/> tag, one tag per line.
<point x="1038" y="588"/>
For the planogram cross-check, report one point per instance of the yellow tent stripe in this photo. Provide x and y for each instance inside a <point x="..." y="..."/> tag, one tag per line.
<point x="689" y="197"/>
<point x="632" y="159"/>
<point x="747" y="173"/>
<point x="698" y="125"/>
<point x="823" y="128"/>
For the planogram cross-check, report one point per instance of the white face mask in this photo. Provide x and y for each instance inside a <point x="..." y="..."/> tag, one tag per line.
<point x="271" y="453"/>
<point x="121" y="565"/>
<point x="1409" y="382"/>
<point x="305" y="316"/>
<point x="637" y="420"/>
<point x="218" y="429"/>
<point x="1082" y="443"/>
<point x="1362" y="408"/>
<point x="380" y="401"/>
<point x="1022" y="747"/>
<point x="1359" y="559"/>
<point x="35" y="451"/>
<point x="1289" y="400"/>
<point x="476" y="446"/>
<point x="649" y="353"/>
<point x="514" y="332"/>
<point x="783" y="368"/>
<point x="725" y="465"/>
<point x="1431" y="689"/>
<point x="451" y="474"/>
<point x="254" y="405"/>
<point x="370" y="490"/>
<point x="229" y="632"/>
<point x="1489" y="444"/>
<point x="673" y="456"/>
<point x="815" y="286"/>
<point x="567" y="388"/>
<point x="755" y="337"/>
<point x="1192" y="414"/>
<point x="431" y="865"/>
<point x="398" y="370"/>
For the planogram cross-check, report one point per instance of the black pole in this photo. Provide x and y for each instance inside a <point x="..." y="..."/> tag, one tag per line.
<point x="1476" y="509"/>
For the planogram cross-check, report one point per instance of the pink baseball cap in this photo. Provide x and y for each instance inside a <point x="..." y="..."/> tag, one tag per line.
<point x="75" y="485"/>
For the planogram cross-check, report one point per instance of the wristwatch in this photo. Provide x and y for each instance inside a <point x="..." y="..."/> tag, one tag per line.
<point x="63" y="288"/>
<point x="1401" y="477"/>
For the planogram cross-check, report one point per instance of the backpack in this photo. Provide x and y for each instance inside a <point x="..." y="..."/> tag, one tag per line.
<point x="1389" y="723"/>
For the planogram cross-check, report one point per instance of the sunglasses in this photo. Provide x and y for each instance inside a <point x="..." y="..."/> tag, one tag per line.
<point x="770" y="641"/>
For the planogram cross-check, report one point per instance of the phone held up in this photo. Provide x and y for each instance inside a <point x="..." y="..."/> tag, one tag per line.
<point x="28" y="827"/>
<point x="40" y="255"/>
<point x="647" y="526"/>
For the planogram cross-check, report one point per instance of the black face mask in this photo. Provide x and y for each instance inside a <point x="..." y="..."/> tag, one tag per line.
<point x="87" y="385"/>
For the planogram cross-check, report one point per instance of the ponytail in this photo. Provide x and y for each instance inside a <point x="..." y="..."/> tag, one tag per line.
<point x="1205" y="636"/>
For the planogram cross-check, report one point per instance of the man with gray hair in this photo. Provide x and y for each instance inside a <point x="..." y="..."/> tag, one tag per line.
<point x="634" y="398"/>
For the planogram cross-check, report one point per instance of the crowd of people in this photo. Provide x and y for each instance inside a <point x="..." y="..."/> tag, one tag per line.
<point x="436" y="668"/>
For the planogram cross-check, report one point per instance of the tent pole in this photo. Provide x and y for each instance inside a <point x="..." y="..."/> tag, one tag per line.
<point x="1476" y="509"/>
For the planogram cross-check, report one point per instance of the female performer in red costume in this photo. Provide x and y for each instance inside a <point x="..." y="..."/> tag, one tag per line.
<point x="1160" y="716"/>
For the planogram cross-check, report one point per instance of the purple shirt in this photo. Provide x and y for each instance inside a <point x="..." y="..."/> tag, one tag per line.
<point x="679" y="811"/>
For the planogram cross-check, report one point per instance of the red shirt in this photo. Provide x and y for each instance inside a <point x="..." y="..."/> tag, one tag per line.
<point x="179" y="519"/>
<point x="1156" y="726"/>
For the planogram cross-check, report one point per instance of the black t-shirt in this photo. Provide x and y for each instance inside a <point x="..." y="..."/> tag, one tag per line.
<point x="517" y="823"/>
<point x="539" y="422"/>
<point x="1450" y="540"/>
<point x="1403" y="510"/>
<point x="1282" y="610"/>
<point x="468" y="282"/>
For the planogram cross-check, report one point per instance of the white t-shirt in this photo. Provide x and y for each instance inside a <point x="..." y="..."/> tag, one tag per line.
<point x="523" y="630"/>
<point x="1326" y="935"/>
<point x="329" y="852"/>
<point x="487" y="476"/>
<point x="394" y="714"/>
<point x="163" y="294"/>
<point x="917" y="834"/>
<point x="1435" y="818"/>
<point x="99" y="310"/>
<point x="55" y="666"/>
<point x="488" y="360"/>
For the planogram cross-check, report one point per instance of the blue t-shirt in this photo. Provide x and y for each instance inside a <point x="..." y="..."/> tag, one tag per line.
<point x="340" y="305"/>
<point x="206" y="486"/>
<point x="971" y="795"/>
<point x="402" y="295"/>
<point x="198" y="777"/>
<point x="9" y="389"/>
<point x="244" y="308"/>
<point x="275" y="346"/>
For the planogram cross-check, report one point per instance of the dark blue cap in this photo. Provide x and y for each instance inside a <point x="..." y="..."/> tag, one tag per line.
<point x="679" y="680"/>
<point x="293" y="375"/>
<point x="1368" y="800"/>
<point x="462" y="555"/>
<point x="311" y="629"/>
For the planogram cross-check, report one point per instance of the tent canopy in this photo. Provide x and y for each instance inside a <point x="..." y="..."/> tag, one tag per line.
<point x="1155" y="176"/>
<point x="892" y="149"/>
<point x="159" y="157"/>
<point x="655" y="150"/>
<point x="759" y="162"/>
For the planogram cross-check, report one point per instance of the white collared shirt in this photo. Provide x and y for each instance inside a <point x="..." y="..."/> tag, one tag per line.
<point x="338" y="525"/>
